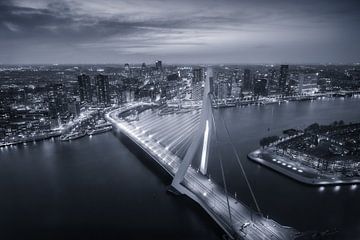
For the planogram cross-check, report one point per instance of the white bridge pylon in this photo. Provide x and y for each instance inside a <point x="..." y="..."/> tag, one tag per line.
<point x="203" y="134"/>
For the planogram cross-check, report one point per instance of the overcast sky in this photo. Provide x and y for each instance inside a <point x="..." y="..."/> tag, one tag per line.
<point x="182" y="31"/>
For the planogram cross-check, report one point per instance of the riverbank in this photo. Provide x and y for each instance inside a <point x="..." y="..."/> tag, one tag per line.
<point x="35" y="138"/>
<point x="278" y="99"/>
<point x="281" y="163"/>
<point x="318" y="154"/>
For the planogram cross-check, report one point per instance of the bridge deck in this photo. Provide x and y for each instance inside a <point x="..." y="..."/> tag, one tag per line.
<point x="204" y="191"/>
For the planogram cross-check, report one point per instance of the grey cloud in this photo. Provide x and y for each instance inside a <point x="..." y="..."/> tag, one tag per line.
<point x="190" y="27"/>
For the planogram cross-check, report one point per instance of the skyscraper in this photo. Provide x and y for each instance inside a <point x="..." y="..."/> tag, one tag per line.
<point x="127" y="70"/>
<point x="127" y="67"/>
<point x="85" y="88"/>
<point x="247" y="86"/>
<point x="222" y="89"/>
<point x="198" y="74"/>
<point x="196" y="84"/>
<point x="260" y="87"/>
<point x="143" y="67"/>
<point x="102" y="89"/>
<point x="158" y="65"/>
<point x="57" y="100"/>
<point x="74" y="107"/>
<point x="211" y="82"/>
<point x="301" y="83"/>
<point x="284" y="75"/>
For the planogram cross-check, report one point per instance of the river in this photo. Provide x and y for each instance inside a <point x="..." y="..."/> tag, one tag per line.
<point x="279" y="197"/>
<point x="92" y="188"/>
<point x="100" y="187"/>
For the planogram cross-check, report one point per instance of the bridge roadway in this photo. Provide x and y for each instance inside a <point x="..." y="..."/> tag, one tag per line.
<point x="204" y="191"/>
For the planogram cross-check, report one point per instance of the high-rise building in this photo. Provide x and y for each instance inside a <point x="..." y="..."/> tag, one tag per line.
<point x="158" y="65"/>
<point x="222" y="92"/>
<point x="172" y="77"/>
<point x="85" y="90"/>
<point x="248" y="84"/>
<point x="102" y="89"/>
<point x="57" y="100"/>
<point x="127" y="67"/>
<point x="223" y="88"/>
<point x="198" y="75"/>
<point x="74" y="107"/>
<point x="273" y="85"/>
<point x="211" y="82"/>
<point x="197" y="84"/>
<point x="260" y="87"/>
<point x="283" y="79"/>
<point x="236" y="76"/>
<point x="127" y="70"/>
<point x="143" y="67"/>
<point x="229" y="85"/>
<point x="236" y="90"/>
<point x="301" y="83"/>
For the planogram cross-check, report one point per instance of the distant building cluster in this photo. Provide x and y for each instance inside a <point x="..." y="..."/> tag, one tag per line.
<point x="101" y="88"/>
<point x="40" y="98"/>
<point x="234" y="82"/>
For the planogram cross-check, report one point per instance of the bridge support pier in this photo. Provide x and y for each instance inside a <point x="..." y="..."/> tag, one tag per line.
<point x="203" y="134"/>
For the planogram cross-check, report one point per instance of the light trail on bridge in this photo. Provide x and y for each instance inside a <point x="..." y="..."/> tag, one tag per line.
<point x="170" y="136"/>
<point x="204" y="191"/>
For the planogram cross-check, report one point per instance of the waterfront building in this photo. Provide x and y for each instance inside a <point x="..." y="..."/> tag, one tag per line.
<point x="211" y="82"/>
<point x="85" y="90"/>
<point x="102" y="89"/>
<point x="283" y="79"/>
<point x="301" y="83"/>
<point x="197" y="84"/>
<point x="260" y="87"/>
<point x="158" y="66"/>
<point x="172" y="77"/>
<point x="236" y="76"/>
<point x="127" y="67"/>
<point x="57" y="100"/>
<point x="222" y="92"/>
<point x="74" y="107"/>
<point x="248" y="83"/>
<point x="236" y="90"/>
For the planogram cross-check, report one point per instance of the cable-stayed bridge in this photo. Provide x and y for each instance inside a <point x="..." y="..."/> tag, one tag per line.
<point x="174" y="139"/>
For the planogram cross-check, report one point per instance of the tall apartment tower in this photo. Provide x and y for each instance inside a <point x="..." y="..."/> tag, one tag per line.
<point x="283" y="79"/>
<point x="85" y="91"/>
<point x="158" y="65"/>
<point x="57" y="100"/>
<point x="197" y="83"/>
<point x="248" y="84"/>
<point x="301" y="83"/>
<point x="102" y="89"/>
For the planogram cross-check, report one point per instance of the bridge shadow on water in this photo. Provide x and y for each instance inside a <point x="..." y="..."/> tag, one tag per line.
<point x="166" y="179"/>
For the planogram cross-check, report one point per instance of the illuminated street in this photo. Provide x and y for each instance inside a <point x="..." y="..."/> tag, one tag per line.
<point x="208" y="194"/>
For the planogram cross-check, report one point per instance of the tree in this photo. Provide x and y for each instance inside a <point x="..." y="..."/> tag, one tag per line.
<point x="312" y="128"/>
<point x="267" y="140"/>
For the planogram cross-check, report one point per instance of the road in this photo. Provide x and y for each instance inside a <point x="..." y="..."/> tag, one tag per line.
<point x="244" y="222"/>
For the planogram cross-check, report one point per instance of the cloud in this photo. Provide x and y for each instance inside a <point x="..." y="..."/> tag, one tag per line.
<point x="12" y="27"/>
<point x="171" y="29"/>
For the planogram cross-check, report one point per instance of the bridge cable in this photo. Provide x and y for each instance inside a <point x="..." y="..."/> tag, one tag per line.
<point x="222" y="171"/>
<point x="241" y="166"/>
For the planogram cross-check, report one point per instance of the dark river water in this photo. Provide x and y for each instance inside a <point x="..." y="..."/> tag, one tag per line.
<point x="92" y="188"/>
<point x="281" y="198"/>
<point x="102" y="188"/>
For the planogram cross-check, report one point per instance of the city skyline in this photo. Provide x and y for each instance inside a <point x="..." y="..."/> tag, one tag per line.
<point x="202" y="126"/>
<point x="180" y="119"/>
<point x="69" y="31"/>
